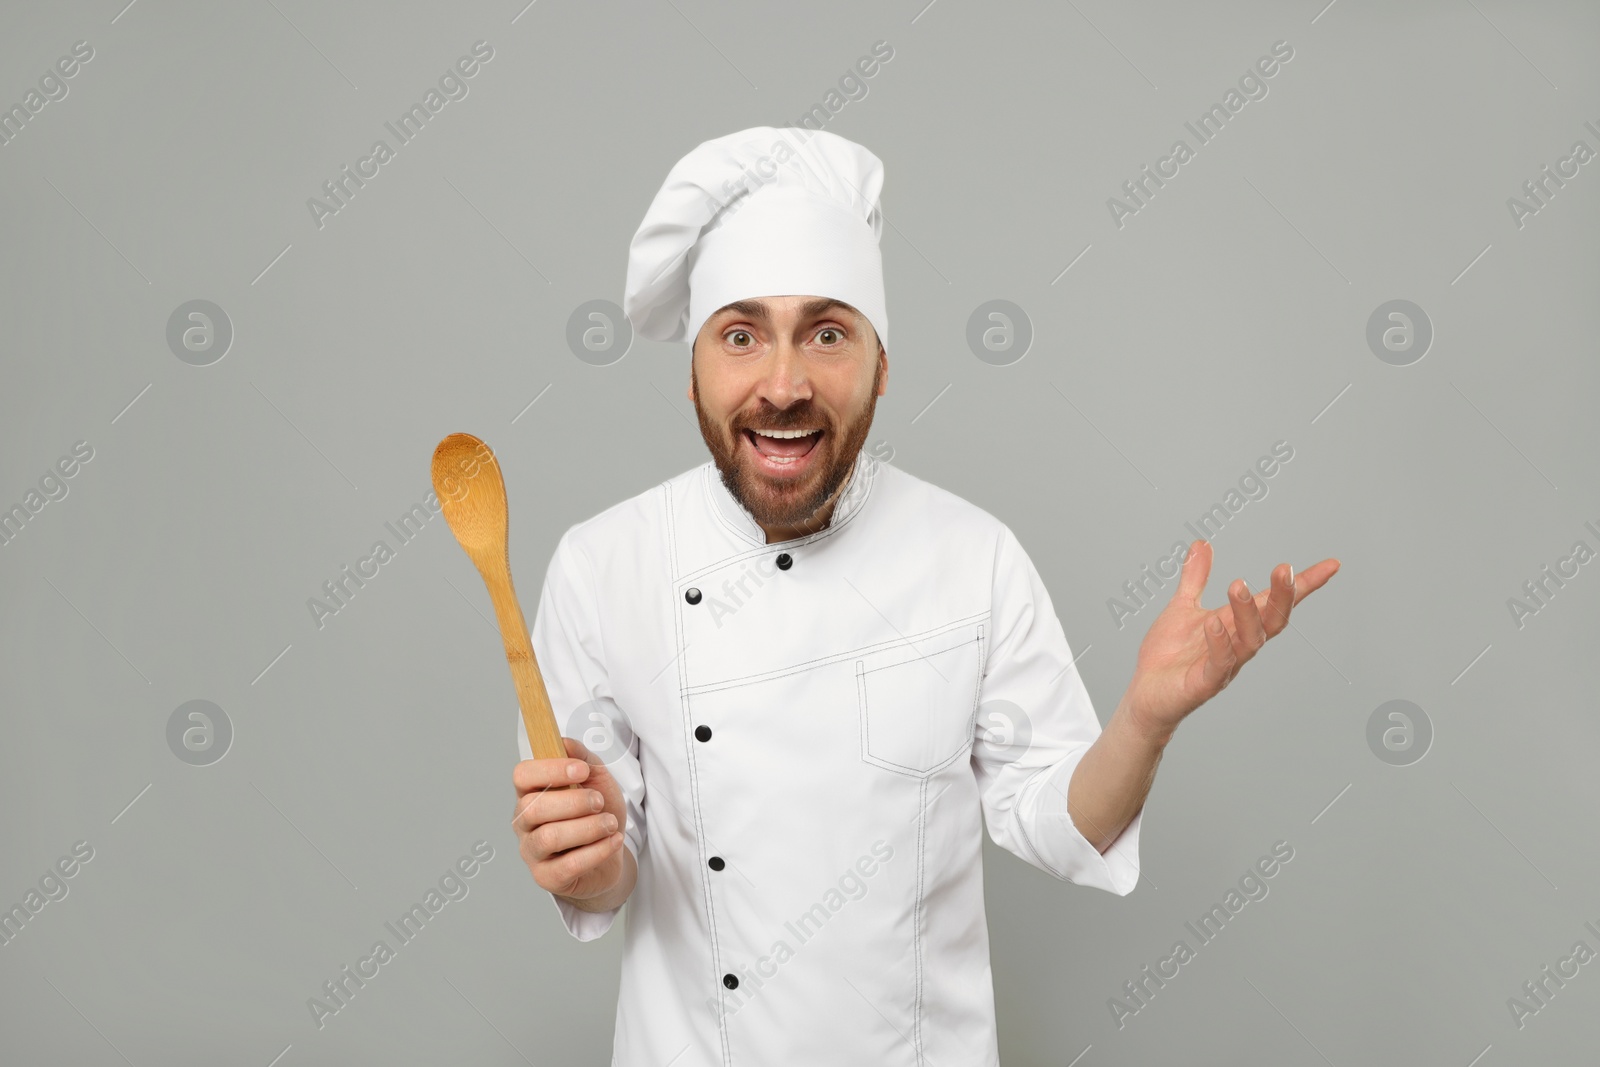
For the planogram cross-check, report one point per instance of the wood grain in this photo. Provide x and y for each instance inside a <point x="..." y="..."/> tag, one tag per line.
<point x="472" y="493"/>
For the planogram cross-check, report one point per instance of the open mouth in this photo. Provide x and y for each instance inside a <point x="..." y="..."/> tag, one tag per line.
<point x="782" y="451"/>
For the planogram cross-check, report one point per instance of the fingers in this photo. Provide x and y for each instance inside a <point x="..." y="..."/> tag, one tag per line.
<point x="549" y="839"/>
<point x="536" y="808"/>
<point x="1279" y="600"/>
<point x="1249" y="634"/>
<point x="578" y="750"/>
<point x="1255" y="617"/>
<point x="542" y="774"/>
<point x="1313" y="578"/>
<point x="1220" y="656"/>
<point x="1289" y="588"/>
<point x="559" y="872"/>
<point x="1276" y="601"/>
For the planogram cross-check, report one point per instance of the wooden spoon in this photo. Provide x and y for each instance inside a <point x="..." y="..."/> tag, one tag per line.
<point x="467" y="481"/>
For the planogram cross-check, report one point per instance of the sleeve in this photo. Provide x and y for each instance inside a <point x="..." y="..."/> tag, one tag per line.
<point x="567" y="642"/>
<point x="1034" y="724"/>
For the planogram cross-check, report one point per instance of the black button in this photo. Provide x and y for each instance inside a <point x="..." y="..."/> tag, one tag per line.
<point x="702" y="733"/>
<point x="731" y="981"/>
<point x="692" y="595"/>
<point x="785" y="561"/>
<point x="715" y="863"/>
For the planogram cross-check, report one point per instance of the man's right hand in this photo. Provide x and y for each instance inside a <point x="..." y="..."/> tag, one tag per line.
<point x="572" y="839"/>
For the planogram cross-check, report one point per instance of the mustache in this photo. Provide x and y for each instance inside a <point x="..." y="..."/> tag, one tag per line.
<point x="802" y="417"/>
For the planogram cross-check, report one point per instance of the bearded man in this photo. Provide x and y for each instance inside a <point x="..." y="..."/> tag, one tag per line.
<point x="789" y="648"/>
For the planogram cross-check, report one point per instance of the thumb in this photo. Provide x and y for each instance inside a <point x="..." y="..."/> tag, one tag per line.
<point x="600" y="777"/>
<point x="1196" y="569"/>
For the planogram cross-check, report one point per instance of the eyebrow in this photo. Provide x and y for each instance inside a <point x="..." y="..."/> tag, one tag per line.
<point x="754" y="309"/>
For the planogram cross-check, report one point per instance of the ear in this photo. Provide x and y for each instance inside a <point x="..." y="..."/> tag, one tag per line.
<point x="690" y="391"/>
<point x="883" y="370"/>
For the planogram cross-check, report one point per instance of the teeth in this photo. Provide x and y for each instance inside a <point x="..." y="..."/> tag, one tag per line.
<point x="784" y="434"/>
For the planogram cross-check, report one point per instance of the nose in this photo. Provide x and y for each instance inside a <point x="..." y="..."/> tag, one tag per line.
<point x="787" y="380"/>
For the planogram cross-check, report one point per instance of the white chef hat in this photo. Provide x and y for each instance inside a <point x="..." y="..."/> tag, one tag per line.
<point x="761" y="212"/>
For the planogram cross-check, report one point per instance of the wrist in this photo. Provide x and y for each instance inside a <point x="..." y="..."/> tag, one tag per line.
<point x="1151" y="734"/>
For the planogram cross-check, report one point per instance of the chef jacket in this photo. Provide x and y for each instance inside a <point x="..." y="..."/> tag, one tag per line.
<point x="806" y="733"/>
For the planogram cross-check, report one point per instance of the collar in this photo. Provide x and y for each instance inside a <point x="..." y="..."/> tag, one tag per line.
<point x="857" y="487"/>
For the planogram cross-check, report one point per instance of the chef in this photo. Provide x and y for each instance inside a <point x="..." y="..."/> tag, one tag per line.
<point x="799" y="682"/>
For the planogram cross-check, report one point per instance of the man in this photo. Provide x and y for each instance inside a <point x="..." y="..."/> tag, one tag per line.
<point x="788" y="648"/>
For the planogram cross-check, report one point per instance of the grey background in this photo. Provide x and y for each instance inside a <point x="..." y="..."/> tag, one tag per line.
<point x="1228" y="314"/>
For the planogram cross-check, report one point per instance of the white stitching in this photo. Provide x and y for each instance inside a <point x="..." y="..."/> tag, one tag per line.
<point x="863" y="710"/>
<point x="821" y="661"/>
<point x="916" y="918"/>
<point x="687" y="716"/>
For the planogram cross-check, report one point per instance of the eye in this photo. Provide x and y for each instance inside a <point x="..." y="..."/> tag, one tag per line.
<point x="829" y="335"/>
<point x="740" y="338"/>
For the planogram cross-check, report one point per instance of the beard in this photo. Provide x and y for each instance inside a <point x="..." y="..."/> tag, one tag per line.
<point x="788" y="503"/>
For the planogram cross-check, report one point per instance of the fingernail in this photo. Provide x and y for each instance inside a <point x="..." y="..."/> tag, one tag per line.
<point x="574" y="771"/>
<point x="596" y="801"/>
<point x="609" y="822"/>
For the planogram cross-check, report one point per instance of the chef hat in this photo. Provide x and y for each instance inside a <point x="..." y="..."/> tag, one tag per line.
<point x="761" y="212"/>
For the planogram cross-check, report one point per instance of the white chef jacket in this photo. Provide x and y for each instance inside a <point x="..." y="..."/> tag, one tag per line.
<point x="806" y="733"/>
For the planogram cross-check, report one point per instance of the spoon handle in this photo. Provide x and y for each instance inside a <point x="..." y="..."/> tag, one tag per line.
<point x="538" y="718"/>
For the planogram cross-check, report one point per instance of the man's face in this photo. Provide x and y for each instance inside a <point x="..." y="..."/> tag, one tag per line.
<point x="806" y="368"/>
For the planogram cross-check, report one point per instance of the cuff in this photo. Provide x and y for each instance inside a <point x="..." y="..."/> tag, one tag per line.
<point x="585" y="925"/>
<point x="1067" y="853"/>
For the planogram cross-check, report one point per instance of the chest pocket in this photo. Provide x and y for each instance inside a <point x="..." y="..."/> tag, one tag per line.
<point x="917" y="700"/>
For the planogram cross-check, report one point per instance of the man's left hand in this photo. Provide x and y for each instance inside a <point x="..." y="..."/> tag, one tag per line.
<point x="1191" y="653"/>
